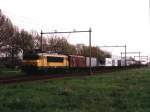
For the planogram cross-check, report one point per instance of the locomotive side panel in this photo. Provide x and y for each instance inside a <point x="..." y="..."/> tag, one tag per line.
<point x="57" y="61"/>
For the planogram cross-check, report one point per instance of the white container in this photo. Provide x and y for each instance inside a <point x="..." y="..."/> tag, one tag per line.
<point x="93" y="62"/>
<point x="114" y="62"/>
<point x="108" y="62"/>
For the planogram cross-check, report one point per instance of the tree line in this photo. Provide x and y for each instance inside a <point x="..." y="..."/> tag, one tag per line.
<point x="18" y="40"/>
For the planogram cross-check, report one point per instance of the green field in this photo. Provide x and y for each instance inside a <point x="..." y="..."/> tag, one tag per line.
<point x="10" y="72"/>
<point x="124" y="91"/>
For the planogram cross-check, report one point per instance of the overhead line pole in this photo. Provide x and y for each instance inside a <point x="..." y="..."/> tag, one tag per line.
<point x="90" y="49"/>
<point x="125" y="55"/>
<point x="119" y="46"/>
<point x="41" y="41"/>
<point x="82" y="31"/>
<point x="143" y="57"/>
<point x="132" y="53"/>
<point x="139" y="57"/>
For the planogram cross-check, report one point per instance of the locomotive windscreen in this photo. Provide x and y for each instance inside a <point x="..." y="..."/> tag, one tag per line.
<point x="55" y="59"/>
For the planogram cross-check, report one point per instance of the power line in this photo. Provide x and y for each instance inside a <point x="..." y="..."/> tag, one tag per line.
<point x="139" y="53"/>
<point x="125" y="47"/>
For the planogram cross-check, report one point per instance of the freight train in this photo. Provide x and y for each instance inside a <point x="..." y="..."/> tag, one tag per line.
<point x="53" y="62"/>
<point x="60" y="63"/>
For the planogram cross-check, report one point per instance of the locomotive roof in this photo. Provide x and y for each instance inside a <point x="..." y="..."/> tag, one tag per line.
<point x="52" y="54"/>
<point x="77" y="56"/>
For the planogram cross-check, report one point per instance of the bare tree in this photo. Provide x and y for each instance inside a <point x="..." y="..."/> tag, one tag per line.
<point x="58" y="44"/>
<point x="96" y="52"/>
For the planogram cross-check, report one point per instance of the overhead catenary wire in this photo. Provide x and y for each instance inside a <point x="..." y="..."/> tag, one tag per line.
<point x="125" y="47"/>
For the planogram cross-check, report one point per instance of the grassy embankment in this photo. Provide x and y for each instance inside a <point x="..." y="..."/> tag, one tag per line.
<point x="9" y="72"/>
<point x="124" y="91"/>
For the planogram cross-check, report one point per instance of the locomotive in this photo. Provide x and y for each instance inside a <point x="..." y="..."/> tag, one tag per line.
<point x="54" y="62"/>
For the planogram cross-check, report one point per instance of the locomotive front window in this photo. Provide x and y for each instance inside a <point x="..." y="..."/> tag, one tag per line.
<point x="55" y="59"/>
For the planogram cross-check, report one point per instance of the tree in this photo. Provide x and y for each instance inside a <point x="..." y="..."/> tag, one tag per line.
<point x="6" y="30"/>
<point x="58" y="44"/>
<point x="36" y="38"/>
<point x="26" y="41"/>
<point x="95" y="52"/>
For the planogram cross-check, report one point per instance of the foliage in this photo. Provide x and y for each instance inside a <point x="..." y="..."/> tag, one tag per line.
<point x="6" y="30"/>
<point x="58" y="44"/>
<point x="36" y="38"/>
<point x="13" y="38"/>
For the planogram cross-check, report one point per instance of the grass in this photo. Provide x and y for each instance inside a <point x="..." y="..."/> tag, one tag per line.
<point x="8" y="72"/>
<point x="124" y="91"/>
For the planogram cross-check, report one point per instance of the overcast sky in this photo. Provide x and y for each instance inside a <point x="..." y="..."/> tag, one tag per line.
<point x="113" y="22"/>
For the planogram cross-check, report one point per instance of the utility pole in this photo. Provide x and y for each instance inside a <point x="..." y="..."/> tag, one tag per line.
<point x="90" y="49"/>
<point x="125" y="56"/>
<point x="142" y="57"/>
<point x="41" y="41"/>
<point x="139" y="57"/>
<point x="97" y="54"/>
<point x="130" y="53"/>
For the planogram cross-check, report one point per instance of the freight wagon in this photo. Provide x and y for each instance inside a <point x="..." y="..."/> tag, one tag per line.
<point x="76" y="61"/>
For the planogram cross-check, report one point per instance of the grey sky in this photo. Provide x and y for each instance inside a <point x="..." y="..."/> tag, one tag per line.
<point x="113" y="22"/>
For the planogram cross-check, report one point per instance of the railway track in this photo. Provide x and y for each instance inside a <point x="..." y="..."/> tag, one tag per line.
<point x="27" y="78"/>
